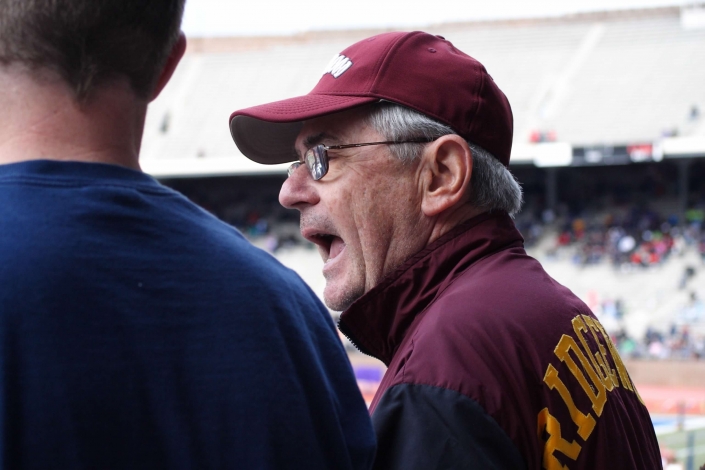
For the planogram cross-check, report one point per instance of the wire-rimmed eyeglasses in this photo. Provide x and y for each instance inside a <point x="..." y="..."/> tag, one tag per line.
<point x="316" y="158"/>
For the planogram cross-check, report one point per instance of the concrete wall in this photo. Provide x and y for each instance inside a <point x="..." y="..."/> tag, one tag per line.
<point x="667" y="373"/>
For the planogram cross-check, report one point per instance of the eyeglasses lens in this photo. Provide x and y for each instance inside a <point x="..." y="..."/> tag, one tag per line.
<point x="317" y="161"/>
<point x="292" y="168"/>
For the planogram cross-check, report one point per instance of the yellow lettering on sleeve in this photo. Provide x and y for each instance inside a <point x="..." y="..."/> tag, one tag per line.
<point x="593" y="324"/>
<point x="585" y="422"/>
<point x="626" y="382"/>
<point x="550" y="425"/>
<point x="562" y="351"/>
<point x="598" y="361"/>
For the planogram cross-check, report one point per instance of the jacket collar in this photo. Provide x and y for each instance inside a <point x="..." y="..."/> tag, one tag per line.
<point x="377" y="322"/>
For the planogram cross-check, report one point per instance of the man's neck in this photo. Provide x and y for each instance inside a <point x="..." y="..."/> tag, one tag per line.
<point x="450" y="219"/>
<point x="41" y="119"/>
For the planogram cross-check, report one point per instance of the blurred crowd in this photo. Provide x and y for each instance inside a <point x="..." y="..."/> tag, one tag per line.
<point x="639" y="238"/>
<point x="684" y="339"/>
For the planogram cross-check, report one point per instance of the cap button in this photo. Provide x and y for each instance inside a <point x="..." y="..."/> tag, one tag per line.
<point x="440" y="37"/>
<point x="430" y="49"/>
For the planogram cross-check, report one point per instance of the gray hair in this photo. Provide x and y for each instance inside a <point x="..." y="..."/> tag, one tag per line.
<point x="493" y="187"/>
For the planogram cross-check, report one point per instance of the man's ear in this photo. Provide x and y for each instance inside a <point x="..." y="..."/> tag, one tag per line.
<point x="446" y="171"/>
<point x="177" y="52"/>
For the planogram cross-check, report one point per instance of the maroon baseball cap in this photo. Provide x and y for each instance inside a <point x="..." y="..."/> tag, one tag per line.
<point x="417" y="70"/>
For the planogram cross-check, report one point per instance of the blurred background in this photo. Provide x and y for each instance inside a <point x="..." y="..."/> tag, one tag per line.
<point x="609" y="146"/>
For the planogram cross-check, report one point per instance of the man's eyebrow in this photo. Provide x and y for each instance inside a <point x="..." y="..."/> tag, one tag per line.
<point x="316" y="139"/>
<point x="313" y="140"/>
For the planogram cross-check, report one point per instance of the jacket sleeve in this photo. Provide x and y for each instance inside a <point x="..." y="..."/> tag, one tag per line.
<point x="422" y="427"/>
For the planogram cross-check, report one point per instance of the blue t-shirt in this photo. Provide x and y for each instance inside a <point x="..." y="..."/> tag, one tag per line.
<point x="137" y="331"/>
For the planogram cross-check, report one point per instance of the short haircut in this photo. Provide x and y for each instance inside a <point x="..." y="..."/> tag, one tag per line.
<point x="493" y="187"/>
<point x="90" y="42"/>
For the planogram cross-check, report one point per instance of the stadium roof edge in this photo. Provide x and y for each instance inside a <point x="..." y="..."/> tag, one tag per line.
<point x="542" y="155"/>
<point x="680" y="147"/>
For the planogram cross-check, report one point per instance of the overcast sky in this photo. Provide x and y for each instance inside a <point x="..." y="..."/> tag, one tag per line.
<point x="281" y="17"/>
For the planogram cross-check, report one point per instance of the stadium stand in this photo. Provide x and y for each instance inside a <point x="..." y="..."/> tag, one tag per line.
<point x="612" y="78"/>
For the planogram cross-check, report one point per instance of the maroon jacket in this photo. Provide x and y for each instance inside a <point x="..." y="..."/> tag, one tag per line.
<point x="493" y="364"/>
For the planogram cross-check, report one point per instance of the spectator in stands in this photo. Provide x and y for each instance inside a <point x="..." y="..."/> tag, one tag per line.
<point x="642" y="239"/>
<point x="400" y="176"/>
<point x="676" y="343"/>
<point x="138" y="331"/>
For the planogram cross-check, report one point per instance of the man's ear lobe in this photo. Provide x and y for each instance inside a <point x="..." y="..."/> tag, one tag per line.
<point x="447" y="168"/>
<point x="177" y="52"/>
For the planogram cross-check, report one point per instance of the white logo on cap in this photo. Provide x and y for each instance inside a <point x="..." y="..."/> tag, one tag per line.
<point x="338" y="65"/>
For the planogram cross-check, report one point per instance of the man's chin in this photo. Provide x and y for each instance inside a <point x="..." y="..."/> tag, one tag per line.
<point x="338" y="299"/>
<point x="336" y="304"/>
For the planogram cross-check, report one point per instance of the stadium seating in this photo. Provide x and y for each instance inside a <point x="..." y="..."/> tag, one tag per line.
<point x="604" y="79"/>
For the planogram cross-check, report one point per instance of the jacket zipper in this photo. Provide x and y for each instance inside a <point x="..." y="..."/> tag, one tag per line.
<point x="344" y="329"/>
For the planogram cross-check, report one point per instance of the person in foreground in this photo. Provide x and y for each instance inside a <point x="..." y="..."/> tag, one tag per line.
<point x="400" y="174"/>
<point x="136" y="330"/>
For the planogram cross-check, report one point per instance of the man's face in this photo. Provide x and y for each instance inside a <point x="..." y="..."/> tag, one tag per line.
<point x="364" y="215"/>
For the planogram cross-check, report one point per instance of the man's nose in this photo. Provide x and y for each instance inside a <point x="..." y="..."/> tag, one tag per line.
<point x="298" y="190"/>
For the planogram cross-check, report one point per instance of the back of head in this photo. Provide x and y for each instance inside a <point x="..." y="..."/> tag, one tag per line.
<point x="91" y="42"/>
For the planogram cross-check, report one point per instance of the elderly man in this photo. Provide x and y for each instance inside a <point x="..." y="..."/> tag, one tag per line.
<point x="400" y="175"/>
<point x="137" y="330"/>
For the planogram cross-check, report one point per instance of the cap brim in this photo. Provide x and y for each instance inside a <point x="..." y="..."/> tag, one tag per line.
<point x="267" y="133"/>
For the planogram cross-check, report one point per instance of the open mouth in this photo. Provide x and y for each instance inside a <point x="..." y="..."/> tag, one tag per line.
<point x="330" y="246"/>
